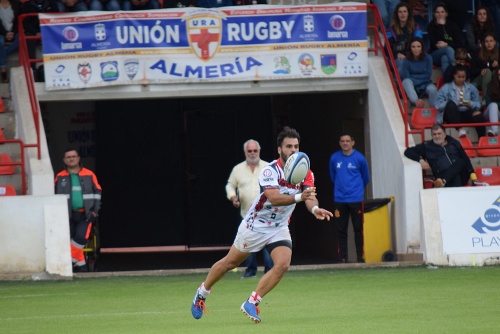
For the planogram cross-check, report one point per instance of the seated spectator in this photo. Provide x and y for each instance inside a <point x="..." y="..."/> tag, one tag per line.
<point x="65" y="6"/>
<point x="420" y="14"/>
<point x="140" y="4"/>
<point x="494" y="8"/>
<point x="480" y="24"/>
<point x="458" y="102"/>
<point x="446" y="158"/>
<point x="417" y="73"/>
<point x="9" y="11"/>
<point x="109" y="5"/>
<point x="444" y="37"/>
<point x="484" y="61"/>
<point x="457" y="12"/>
<point x="213" y="3"/>
<point x="178" y="3"/>
<point x="403" y="28"/>
<point x="461" y="59"/>
<point x="493" y="102"/>
<point x="386" y="8"/>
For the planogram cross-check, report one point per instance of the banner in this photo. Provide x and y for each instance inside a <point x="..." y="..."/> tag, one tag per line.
<point x="244" y="43"/>
<point x="470" y="220"/>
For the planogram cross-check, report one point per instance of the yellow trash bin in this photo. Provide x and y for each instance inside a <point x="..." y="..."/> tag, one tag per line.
<point x="377" y="231"/>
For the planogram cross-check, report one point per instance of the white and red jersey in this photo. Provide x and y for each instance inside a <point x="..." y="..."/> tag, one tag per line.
<point x="262" y="215"/>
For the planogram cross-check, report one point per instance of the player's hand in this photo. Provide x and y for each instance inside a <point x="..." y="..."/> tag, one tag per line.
<point x="321" y="214"/>
<point x="236" y="203"/>
<point x="309" y="194"/>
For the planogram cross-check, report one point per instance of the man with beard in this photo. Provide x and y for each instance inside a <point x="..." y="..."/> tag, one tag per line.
<point x="446" y="158"/>
<point x="241" y="189"/>
<point x="266" y="225"/>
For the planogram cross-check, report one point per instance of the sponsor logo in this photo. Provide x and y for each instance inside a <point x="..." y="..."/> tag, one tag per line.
<point x="59" y="69"/>
<point x="109" y="71"/>
<point x="306" y="64"/>
<point x="84" y="72"/>
<point x="267" y="172"/>
<point x="204" y="34"/>
<point x="308" y="23"/>
<point x="131" y="68"/>
<point x="329" y="63"/>
<point x="70" y="34"/>
<point x="99" y="32"/>
<point x="59" y="78"/>
<point x="353" y="55"/>
<point x="282" y="65"/>
<point x="490" y="220"/>
<point x="337" y="22"/>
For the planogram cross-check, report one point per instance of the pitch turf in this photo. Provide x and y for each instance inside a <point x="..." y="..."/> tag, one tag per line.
<point x="370" y="300"/>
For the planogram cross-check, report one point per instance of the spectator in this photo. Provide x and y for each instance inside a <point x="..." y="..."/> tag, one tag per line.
<point x="446" y="158"/>
<point x="444" y="37"/>
<point x="129" y="5"/>
<point x="420" y="13"/>
<point x="65" y="6"/>
<point x="266" y="225"/>
<point x="493" y="102"/>
<point x="403" y="28"/>
<point x="457" y="12"/>
<point x="458" y="102"/>
<point x="484" y="61"/>
<point x="494" y="8"/>
<point x="32" y="24"/>
<point x="178" y="3"/>
<point x="461" y="59"/>
<point x="213" y="3"/>
<point x="83" y="191"/>
<point x="386" y="9"/>
<point x="241" y="189"/>
<point x="350" y="175"/>
<point x="480" y="24"/>
<point x="417" y="74"/>
<point x="109" y="5"/>
<point x="9" y="12"/>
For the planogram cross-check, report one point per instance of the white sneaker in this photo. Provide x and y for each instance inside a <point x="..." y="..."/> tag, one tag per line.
<point x="491" y="133"/>
<point x="462" y="133"/>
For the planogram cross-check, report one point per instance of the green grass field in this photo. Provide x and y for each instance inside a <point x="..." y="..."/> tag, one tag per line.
<point x="369" y="300"/>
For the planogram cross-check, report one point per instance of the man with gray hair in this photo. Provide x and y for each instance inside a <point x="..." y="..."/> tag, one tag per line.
<point x="242" y="188"/>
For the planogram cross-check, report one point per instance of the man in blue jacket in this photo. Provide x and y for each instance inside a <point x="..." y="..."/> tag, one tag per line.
<point x="350" y="175"/>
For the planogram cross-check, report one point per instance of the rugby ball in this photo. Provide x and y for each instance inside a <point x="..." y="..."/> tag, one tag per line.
<point x="296" y="167"/>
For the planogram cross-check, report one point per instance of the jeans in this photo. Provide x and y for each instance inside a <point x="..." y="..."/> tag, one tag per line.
<point x="251" y="262"/>
<point x="5" y="51"/>
<point x="111" y="5"/>
<point x="482" y="81"/>
<point x="443" y="57"/>
<point x="414" y="94"/>
<point x="386" y="9"/>
<point x="491" y="114"/>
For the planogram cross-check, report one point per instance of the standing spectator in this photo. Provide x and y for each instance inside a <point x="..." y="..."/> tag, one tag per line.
<point x="417" y="74"/>
<point x="446" y="158"/>
<point x="241" y="189"/>
<point x="350" y="175"/>
<point x="109" y="5"/>
<point x="9" y="12"/>
<point x="266" y="225"/>
<point x="386" y="8"/>
<point x="459" y="102"/>
<point x="461" y="58"/>
<point x="83" y="191"/>
<point x="65" y="6"/>
<point x="403" y="28"/>
<point x="129" y="5"/>
<point x="493" y="102"/>
<point x="32" y="24"/>
<point x="444" y="37"/>
<point x="178" y="3"/>
<point x="480" y="24"/>
<point x="484" y="61"/>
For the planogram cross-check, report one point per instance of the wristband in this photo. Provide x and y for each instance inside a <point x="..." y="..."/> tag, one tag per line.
<point x="314" y="209"/>
<point x="298" y="198"/>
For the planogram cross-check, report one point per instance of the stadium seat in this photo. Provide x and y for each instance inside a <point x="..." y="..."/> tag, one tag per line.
<point x="491" y="175"/>
<point x="6" y="170"/>
<point x="7" y="191"/>
<point x="2" y="106"/>
<point x="468" y="147"/>
<point x="484" y="143"/>
<point x="422" y="118"/>
<point x="2" y="136"/>
<point x="439" y="82"/>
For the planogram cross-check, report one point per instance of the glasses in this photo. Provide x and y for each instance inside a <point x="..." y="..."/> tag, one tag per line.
<point x="252" y="151"/>
<point x="72" y="156"/>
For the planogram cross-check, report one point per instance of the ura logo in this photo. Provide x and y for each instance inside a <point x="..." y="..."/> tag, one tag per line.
<point x="204" y="33"/>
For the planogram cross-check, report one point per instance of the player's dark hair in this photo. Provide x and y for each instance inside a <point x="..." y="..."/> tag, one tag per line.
<point x="287" y="132"/>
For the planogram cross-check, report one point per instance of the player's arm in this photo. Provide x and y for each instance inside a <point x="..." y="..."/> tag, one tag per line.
<point x="277" y="199"/>
<point x="312" y="206"/>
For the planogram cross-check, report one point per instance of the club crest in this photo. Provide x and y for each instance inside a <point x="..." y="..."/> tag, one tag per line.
<point x="204" y="30"/>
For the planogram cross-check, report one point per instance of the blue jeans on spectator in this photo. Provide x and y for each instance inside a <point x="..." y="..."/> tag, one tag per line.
<point x="443" y="57"/>
<point x="251" y="263"/>
<point x="152" y="4"/>
<point x="386" y="8"/>
<point x="415" y="93"/>
<point x="79" y="7"/>
<point x="5" y="51"/>
<point x="111" y="5"/>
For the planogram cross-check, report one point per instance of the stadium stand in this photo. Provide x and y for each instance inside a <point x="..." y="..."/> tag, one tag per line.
<point x="484" y="146"/>
<point x="490" y="174"/>
<point x="6" y="170"/>
<point x="422" y="118"/>
<point x="7" y="191"/>
<point x="468" y="146"/>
